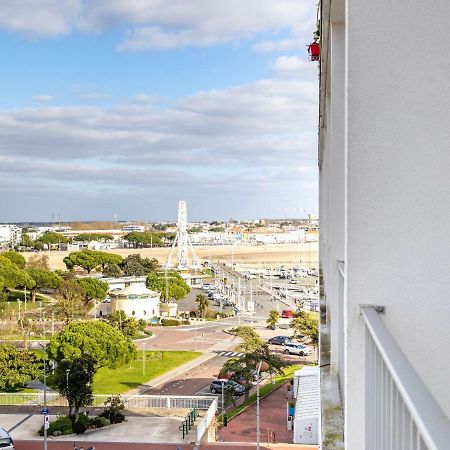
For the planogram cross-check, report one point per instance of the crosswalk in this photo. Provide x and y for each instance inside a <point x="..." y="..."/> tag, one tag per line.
<point x="230" y="354"/>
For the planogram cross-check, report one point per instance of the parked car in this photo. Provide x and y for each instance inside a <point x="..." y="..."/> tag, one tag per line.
<point x="279" y="340"/>
<point x="296" y="349"/>
<point x="6" y="442"/>
<point x="216" y="387"/>
<point x="287" y="314"/>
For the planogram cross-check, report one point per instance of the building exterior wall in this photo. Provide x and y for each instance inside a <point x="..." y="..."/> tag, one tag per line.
<point x="384" y="184"/>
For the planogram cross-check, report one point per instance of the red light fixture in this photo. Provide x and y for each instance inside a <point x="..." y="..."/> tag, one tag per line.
<point x="314" y="51"/>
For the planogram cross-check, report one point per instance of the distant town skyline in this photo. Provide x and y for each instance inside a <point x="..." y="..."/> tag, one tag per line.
<point x="128" y="107"/>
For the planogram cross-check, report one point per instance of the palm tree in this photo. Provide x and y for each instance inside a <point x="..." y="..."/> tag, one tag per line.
<point x="202" y="304"/>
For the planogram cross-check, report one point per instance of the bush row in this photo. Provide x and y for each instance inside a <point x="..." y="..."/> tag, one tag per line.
<point x="63" y="425"/>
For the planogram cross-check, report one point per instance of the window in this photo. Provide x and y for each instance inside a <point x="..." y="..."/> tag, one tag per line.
<point x="133" y="313"/>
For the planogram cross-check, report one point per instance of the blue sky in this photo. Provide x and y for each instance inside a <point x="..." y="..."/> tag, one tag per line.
<point x="126" y="107"/>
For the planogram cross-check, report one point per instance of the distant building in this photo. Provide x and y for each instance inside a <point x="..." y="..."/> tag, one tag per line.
<point x="10" y="235"/>
<point x="136" y="301"/>
<point x="131" y="228"/>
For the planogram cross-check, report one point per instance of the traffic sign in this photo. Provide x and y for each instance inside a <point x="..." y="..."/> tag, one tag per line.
<point x="44" y="411"/>
<point x="46" y="421"/>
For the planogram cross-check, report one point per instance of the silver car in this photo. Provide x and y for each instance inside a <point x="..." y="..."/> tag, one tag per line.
<point x="296" y="349"/>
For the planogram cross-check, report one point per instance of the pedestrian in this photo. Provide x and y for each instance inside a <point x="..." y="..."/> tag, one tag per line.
<point x="75" y="447"/>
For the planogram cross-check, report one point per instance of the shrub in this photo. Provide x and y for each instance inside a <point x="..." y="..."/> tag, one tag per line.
<point x="114" y="409"/>
<point x="82" y="424"/>
<point x="186" y="322"/>
<point x="148" y="332"/>
<point x="99" y="422"/>
<point x="62" y="425"/>
<point x="170" y="322"/>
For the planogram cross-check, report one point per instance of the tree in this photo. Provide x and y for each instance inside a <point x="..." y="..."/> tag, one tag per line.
<point x="144" y="239"/>
<point x="16" y="258"/>
<point x="176" y="286"/>
<point x="112" y="270"/>
<point x="38" y="262"/>
<point x="135" y="265"/>
<point x="202" y="304"/>
<point x="254" y="351"/>
<point x="74" y="382"/>
<point x="52" y="238"/>
<point x="128" y="326"/>
<point x="305" y="326"/>
<point x="71" y="301"/>
<point x="99" y="340"/>
<point x="18" y="367"/>
<point x="43" y="279"/>
<point x="90" y="259"/>
<point x="87" y="259"/>
<point x="87" y="237"/>
<point x="273" y="318"/>
<point x="12" y="276"/>
<point x="93" y="288"/>
<point x="26" y="241"/>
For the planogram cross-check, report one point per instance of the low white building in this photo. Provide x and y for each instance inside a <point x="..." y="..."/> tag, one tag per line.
<point x="307" y="405"/>
<point x="136" y="301"/>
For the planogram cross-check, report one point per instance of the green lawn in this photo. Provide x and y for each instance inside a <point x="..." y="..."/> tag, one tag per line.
<point x="265" y="390"/>
<point x="118" y="381"/>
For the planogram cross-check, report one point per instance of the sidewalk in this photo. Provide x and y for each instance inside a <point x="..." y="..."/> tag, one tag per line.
<point x="272" y="419"/>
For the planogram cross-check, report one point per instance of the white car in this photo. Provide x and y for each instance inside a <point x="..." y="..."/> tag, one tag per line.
<point x="296" y="349"/>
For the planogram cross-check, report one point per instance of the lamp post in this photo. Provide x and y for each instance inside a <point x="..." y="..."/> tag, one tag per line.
<point x="262" y="367"/>
<point x="67" y="379"/>
<point x="143" y="358"/>
<point x="45" y="398"/>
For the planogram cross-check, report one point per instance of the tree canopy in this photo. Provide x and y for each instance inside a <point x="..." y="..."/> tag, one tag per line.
<point x="99" y="340"/>
<point x="176" y="286"/>
<point x="135" y="265"/>
<point x="305" y="326"/>
<point x="94" y="289"/>
<point x="71" y="301"/>
<point x="90" y="259"/>
<point x="74" y="382"/>
<point x="38" y="262"/>
<point x="273" y="318"/>
<point x="16" y="258"/>
<point x="12" y="276"/>
<point x="112" y="270"/>
<point x="144" y="239"/>
<point x="51" y="237"/>
<point x="18" y="367"/>
<point x="202" y="304"/>
<point x="129" y="326"/>
<point x="43" y="279"/>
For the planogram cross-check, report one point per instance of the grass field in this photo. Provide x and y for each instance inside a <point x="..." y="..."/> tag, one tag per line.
<point x="123" y="379"/>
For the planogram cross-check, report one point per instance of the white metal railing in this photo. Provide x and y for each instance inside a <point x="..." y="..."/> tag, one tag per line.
<point x="340" y="317"/>
<point x="131" y="401"/>
<point x="204" y="424"/>
<point x="401" y="413"/>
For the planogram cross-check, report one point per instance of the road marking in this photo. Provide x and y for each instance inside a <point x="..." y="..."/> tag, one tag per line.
<point x="230" y="354"/>
<point x="20" y="423"/>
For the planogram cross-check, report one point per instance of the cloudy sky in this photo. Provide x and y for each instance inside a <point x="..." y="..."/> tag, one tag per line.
<point x="127" y="106"/>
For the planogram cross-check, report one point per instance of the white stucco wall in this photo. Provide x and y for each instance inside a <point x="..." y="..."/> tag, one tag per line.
<point x="398" y="140"/>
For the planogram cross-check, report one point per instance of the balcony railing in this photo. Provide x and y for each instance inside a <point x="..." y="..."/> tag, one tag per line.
<point x="401" y="413"/>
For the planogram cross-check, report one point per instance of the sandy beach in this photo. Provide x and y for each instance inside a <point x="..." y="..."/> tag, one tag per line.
<point x="272" y="255"/>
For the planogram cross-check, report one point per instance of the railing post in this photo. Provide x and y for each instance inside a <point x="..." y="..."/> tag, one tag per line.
<point x="168" y="402"/>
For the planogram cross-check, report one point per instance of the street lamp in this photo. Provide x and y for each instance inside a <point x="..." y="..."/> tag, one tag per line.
<point x="262" y="367"/>
<point x="143" y="358"/>
<point x="67" y="379"/>
<point x="45" y="412"/>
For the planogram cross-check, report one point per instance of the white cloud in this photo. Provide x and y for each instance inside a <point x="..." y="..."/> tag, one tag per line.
<point x="42" y="98"/>
<point x="162" y="24"/>
<point x="39" y="18"/>
<point x="251" y="139"/>
<point x="293" y="66"/>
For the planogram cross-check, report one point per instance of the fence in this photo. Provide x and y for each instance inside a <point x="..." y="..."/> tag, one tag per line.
<point x="131" y="401"/>
<point x="204" y="424"/>
<point x="401" y="413"/>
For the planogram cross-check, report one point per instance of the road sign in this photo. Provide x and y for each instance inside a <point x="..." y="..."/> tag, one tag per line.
<point x="44" y="411"/>
<point x="46" y="421"/>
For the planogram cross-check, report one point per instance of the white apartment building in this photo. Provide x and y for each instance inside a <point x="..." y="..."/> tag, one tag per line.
<point x="384" y="157"/>
<point x="131" y="228"/>
<point x="10" y="235"/>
